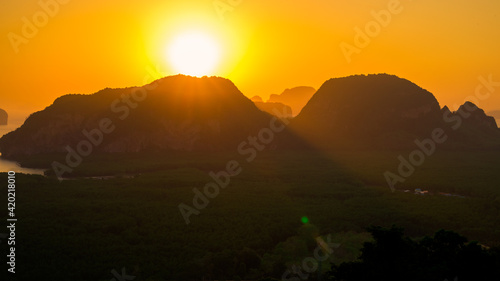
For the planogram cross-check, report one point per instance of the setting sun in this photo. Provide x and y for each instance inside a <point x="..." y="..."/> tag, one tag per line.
<point x="193" y="53"/>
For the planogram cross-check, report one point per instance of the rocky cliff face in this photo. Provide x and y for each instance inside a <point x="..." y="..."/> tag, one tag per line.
<point x="3" y="117"/>
<point x="381" y="110"/>
<point x="174" y="113"/>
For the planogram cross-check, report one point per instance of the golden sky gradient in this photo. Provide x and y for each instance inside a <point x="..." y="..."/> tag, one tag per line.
<point x="265" y="46"/>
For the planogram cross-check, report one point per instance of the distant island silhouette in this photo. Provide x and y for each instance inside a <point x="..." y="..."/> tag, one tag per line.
<point x="278" y="109"/>
<point x="296" y="98"/>
<point x="4" y="117"/>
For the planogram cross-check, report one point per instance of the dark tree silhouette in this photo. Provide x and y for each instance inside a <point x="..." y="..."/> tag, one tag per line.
<point x="445" y="256"/>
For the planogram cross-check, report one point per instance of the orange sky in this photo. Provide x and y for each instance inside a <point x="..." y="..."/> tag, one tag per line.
<point x="266" y="46"/>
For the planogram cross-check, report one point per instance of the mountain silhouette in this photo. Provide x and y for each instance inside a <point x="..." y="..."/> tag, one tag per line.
<point x="296" y="98"/>
<point x="372" y="110"/>
<point x="4" y="117"/>
<point x="182" y="113"/>
<point x="178" y="113"/>
<point x="385" y="111"/>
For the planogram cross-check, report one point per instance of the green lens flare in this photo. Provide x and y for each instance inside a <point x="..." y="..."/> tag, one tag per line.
<point x="305" y="220"/>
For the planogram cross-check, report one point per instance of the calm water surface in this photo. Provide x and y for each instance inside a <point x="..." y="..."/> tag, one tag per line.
<point x="7" y="165"/>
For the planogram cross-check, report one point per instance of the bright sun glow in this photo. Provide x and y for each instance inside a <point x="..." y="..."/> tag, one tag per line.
<point x="194" y="53"/>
